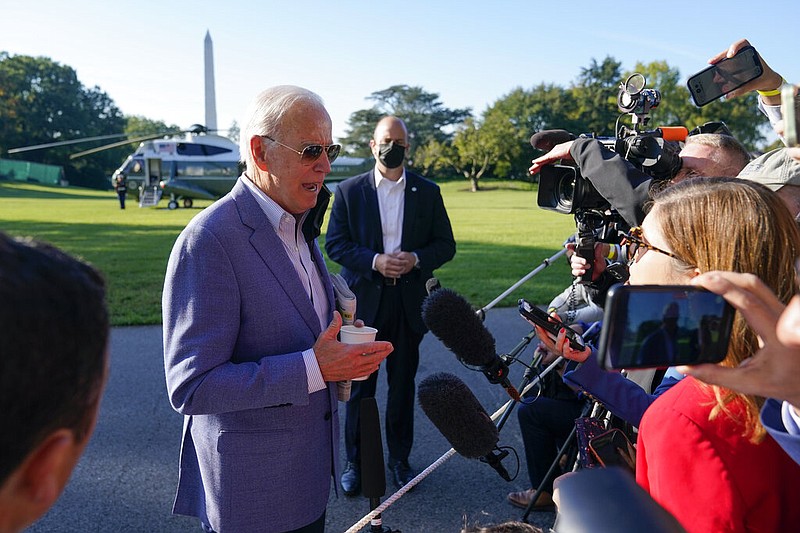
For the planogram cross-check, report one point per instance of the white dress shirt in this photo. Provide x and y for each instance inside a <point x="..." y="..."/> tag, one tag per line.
<point x="290" y="231"/>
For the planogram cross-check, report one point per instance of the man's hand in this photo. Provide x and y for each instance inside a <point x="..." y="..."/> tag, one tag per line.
<point x="396" y="264"/>
<point x="559" y="151"/>
<point x="768" y="81"/>
<point x="340" y="362"/>
<point x="772" y="372"/>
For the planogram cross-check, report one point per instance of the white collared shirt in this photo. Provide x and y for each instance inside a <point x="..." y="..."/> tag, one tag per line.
<point x="391" y="204"/>
<point x="290" y="231"/>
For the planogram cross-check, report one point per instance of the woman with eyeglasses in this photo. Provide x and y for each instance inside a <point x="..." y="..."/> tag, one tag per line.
<point x="702" y="452"/>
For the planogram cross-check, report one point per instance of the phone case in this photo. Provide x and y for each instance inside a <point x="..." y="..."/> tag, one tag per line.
<point x="658" y="326"/>
<point x="716" y="80"/>
<point x="613" y="448"/>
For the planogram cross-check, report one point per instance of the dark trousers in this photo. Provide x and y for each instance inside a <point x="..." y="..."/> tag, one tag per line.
<point x="401" y="369"/>
<point x="545" y="424"/>
<point x="121" y="196"/>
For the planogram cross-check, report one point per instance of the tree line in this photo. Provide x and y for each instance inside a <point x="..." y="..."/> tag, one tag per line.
<point x="42" y="101"/>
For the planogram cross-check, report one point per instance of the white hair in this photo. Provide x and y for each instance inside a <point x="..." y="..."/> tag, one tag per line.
<point x="266" y="112"/>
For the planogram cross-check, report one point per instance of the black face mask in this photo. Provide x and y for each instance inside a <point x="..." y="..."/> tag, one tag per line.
<point x="391" y="155"/>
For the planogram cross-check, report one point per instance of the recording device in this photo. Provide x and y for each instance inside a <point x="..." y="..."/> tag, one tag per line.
<point x="655" y="152"/>
<point x="790" y="109"/>
<point x="549" y="323"/>
<point x="373" y="477"/>
<point x="608" y="500"/>
<point x="432" y="285"/>
<point x="546" y="140"/>
<point x="613" y="448"/>
<point x="658" y="326"/>
<point x="725" y="76"/>
<point x="461" y="419"/>
<point x="452" y="320"/>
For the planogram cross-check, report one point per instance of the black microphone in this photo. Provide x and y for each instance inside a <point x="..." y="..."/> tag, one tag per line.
<point x="460" y="417"/>
<point x="546" y="139"/>
<point x="373" y="477"/>
<point x="451" y="319"/>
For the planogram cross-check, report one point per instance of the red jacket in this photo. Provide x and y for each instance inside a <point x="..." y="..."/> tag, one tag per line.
<point x="710" y="477"/>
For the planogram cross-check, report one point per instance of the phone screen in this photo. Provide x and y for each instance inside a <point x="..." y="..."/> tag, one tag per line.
<point x="725" y="76"/>
<point x="657" y="326"/>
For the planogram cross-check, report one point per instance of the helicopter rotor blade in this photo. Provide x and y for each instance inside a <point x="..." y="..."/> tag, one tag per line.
<point x="64" y="143"/>
<point x="115" y="145"/>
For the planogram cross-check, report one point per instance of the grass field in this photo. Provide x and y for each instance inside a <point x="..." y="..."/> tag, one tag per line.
<point x="501" y="236"/>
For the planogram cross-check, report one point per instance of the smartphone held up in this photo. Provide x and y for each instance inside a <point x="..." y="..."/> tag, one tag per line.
<point x="725" y="76"/>
<point x="658" y="326"/>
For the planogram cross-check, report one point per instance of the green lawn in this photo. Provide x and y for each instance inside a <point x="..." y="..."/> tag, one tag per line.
<point x="500" y="232"/>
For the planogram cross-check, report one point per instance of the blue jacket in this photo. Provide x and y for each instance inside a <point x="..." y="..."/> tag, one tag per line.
<point x="258" y="450"/>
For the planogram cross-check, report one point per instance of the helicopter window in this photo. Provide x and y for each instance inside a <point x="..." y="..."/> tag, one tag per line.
<point x="186" y="168"/>
<point x="201" y="149"/>
<point x="135" y="168"/>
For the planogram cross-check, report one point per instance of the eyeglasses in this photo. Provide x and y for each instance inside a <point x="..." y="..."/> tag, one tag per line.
<point x="312" y="152"/>
<point x="635" y="242"/>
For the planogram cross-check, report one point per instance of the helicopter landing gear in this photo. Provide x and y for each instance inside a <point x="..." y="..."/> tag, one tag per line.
<point x="187" y="203"/>
<point x="173" y="204"/>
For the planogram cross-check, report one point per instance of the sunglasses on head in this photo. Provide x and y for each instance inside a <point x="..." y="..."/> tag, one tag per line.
<point x="312" y="152"/>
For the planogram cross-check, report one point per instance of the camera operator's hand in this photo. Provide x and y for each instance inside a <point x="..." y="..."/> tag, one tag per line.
<point x="768" y="81"/>
<point x="580" y="266"/>
<point x="559" y="151"/>
<point x="772" y="372"/>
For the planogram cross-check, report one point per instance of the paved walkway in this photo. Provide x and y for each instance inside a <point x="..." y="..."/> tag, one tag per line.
<point x="126" y="480"/>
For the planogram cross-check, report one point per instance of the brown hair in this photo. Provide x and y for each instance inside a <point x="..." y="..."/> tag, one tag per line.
<point x="739" y="226"/>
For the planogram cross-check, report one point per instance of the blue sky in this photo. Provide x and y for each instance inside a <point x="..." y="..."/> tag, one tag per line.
<point x="148" y="55"/>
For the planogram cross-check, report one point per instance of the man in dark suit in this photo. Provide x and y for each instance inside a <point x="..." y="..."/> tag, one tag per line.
<point x="250" y="345"/>
<point x="389" y="230"/>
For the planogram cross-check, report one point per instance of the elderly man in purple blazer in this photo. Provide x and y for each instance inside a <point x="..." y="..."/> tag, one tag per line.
<point x="250" y="347"/>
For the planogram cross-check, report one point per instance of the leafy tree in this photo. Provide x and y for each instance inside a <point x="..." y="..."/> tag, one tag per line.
<point x="426" y="118"/>
<point x="42" y="101"/>
<point x="508" y="124"/>
<point x="137" y="125"/>
<point x="469" y="153"/>
<point x="234" y="131"/>
<point x="595" y="97"/>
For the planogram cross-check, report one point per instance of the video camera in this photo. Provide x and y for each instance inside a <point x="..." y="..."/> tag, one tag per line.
<point x="655" y="152"/>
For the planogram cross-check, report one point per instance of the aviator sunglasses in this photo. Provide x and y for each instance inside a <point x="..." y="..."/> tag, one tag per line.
<point x="635" y="241"/>
<point x="312" y="152"/>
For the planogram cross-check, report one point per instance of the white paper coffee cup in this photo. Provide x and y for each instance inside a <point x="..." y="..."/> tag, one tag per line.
<point x="354" y="335"/>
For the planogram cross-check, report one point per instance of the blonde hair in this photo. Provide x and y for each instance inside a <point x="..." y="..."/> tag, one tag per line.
<point x="739" y="226"/>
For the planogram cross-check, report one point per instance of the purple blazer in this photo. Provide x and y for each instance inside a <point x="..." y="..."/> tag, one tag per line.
<point x="258" y="451"/>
